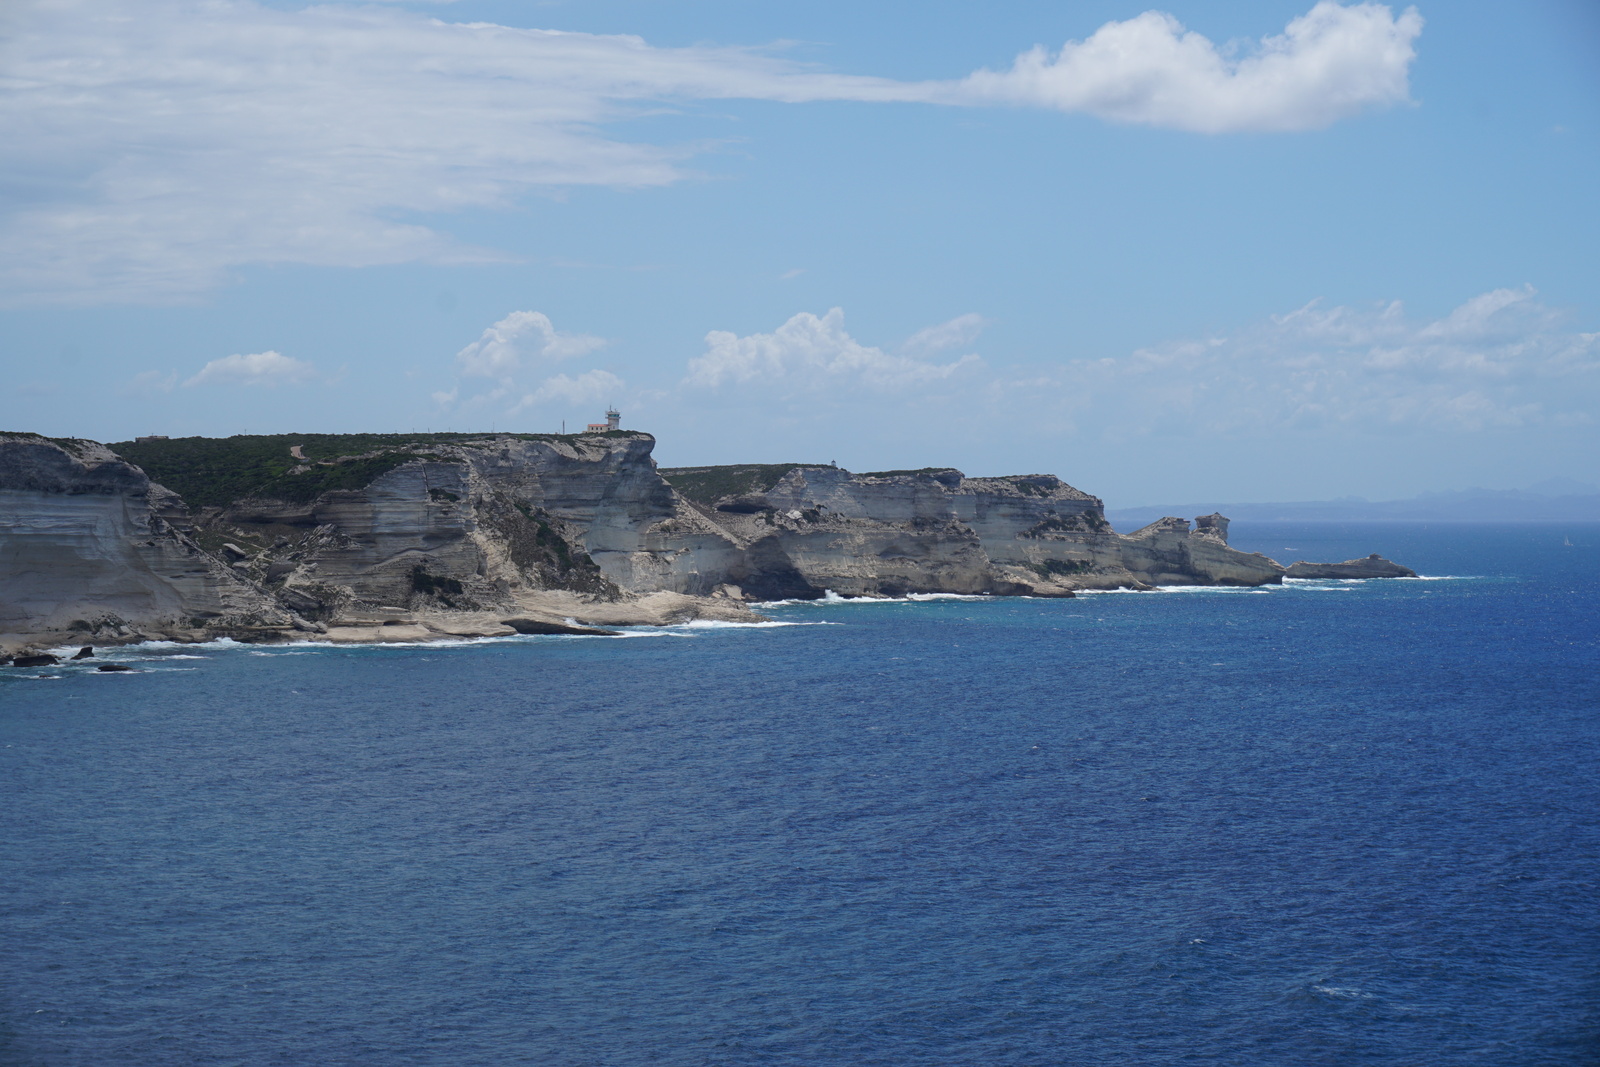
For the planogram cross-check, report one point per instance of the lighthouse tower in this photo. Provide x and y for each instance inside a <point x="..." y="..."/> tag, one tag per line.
<point x="613" y="419"/>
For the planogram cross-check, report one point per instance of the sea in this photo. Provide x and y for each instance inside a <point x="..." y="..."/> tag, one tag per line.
<point x="1332" y="822"/>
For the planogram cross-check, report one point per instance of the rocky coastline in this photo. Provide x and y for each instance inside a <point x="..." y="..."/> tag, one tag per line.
<point x="405" y="538"/>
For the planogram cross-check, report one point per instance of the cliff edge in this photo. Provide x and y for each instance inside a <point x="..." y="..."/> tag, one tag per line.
<point x="409" y="537"/>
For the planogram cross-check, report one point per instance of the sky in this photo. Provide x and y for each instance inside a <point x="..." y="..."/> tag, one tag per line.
<point x="1251" y="250"/>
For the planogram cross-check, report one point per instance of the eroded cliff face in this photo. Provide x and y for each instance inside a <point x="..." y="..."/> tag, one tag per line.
<point x="457" y="527"/>
<point x="823" y="528"/>
<point x="84" y="550"/>
<point x="466" y="534"/>
<point x="1167" y="552"/>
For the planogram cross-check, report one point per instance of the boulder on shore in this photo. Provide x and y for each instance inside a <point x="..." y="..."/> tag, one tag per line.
<point x="1374" y="566"/>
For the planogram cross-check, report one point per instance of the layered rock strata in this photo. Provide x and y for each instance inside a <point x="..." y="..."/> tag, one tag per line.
<point x="84" y="549"/>
<point x="823" y="528"/>
<point x="395" y="538"/>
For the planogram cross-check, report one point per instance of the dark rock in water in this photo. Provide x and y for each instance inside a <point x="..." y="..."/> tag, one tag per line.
<point x="43" y="660"/>
<point x="1374" y="566"/>
<point x="86" y="652"/>
<point x="110" y="667"/>
<point x="534" y="626"/>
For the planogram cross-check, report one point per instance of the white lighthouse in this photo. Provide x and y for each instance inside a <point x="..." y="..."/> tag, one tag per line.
<point x="613" y="422"/>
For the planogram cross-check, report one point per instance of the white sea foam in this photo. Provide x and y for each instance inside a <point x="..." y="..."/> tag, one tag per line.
<point x="217" y="642"/>
<point x="1322" y="581"/>
<point x="1342" y="992"/>
<point x="830" y="597"/>
<point x="721" y="624"/>
<point x="1309" y="585"/>
<point x="1226" y="589"/>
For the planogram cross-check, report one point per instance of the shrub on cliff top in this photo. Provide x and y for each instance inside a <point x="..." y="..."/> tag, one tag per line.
<point x="707" y="485"/>
<point x="215" y="472"/>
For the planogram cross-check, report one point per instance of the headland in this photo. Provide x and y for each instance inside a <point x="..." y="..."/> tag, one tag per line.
<point x="415" y="537"/>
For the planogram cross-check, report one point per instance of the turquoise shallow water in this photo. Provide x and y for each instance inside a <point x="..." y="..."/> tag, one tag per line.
<point x="1333" y="823"/>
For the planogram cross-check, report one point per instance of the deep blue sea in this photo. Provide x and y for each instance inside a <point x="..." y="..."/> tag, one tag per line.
<point x="1331" y="823"/>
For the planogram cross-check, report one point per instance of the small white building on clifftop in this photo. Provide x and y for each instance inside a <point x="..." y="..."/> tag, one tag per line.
<point x="613" y="422"/>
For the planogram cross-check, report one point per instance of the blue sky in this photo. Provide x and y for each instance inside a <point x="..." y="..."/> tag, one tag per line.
<point x="1256" y="250"/>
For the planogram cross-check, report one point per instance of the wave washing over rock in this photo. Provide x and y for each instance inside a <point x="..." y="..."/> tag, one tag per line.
<point x="417" y="537"/>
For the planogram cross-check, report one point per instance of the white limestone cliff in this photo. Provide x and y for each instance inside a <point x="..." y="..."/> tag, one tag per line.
<point x="83" y="550"/>
<point x="460" y="534"/>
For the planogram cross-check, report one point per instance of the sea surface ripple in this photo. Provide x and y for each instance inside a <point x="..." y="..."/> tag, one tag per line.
<point x="1329" y="823"/>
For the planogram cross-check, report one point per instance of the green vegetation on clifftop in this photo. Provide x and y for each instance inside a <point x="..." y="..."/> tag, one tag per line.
<point x="707" y="485"/>
<point x="216" y="471"/>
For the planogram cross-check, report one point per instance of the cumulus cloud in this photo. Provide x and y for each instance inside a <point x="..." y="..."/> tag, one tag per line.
<point x="1328" y="64"/>
<point x="517" y="354"/>
<point x="258" y="368"/>
<point x="153" y="146"/>
<point x="809" y="352"/>
<point x="590" y="387"/>
<point x="1501" y="359"/>
<point x="521" y="339"/>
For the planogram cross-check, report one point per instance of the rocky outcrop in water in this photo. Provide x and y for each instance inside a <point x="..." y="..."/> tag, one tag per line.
<point x="1374" y="566"/>
<point x="414" y="537"/>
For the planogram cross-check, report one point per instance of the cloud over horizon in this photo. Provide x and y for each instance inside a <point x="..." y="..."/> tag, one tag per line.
<point x="270" y="369"/>
<point x="1501" y="359"/>
<point x="809" y="352"/>
<point x="155" y="147"/>
<point x="517" y="354"/>
<point x="521" y="338"/>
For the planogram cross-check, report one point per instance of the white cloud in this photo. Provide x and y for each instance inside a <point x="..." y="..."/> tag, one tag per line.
<point x="1502" y="359"/>
<point x="518" y="340"/>
<point x="257" y="368"/>
<point x="153" y="146"/>
<point x="517" y="354"/>
<point x="809" y="352"/>
<point x="150" y="383"/>
<point x="959" y="331"/>
<point x="590" y="387"/>
<point x="1330" y="63"/>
